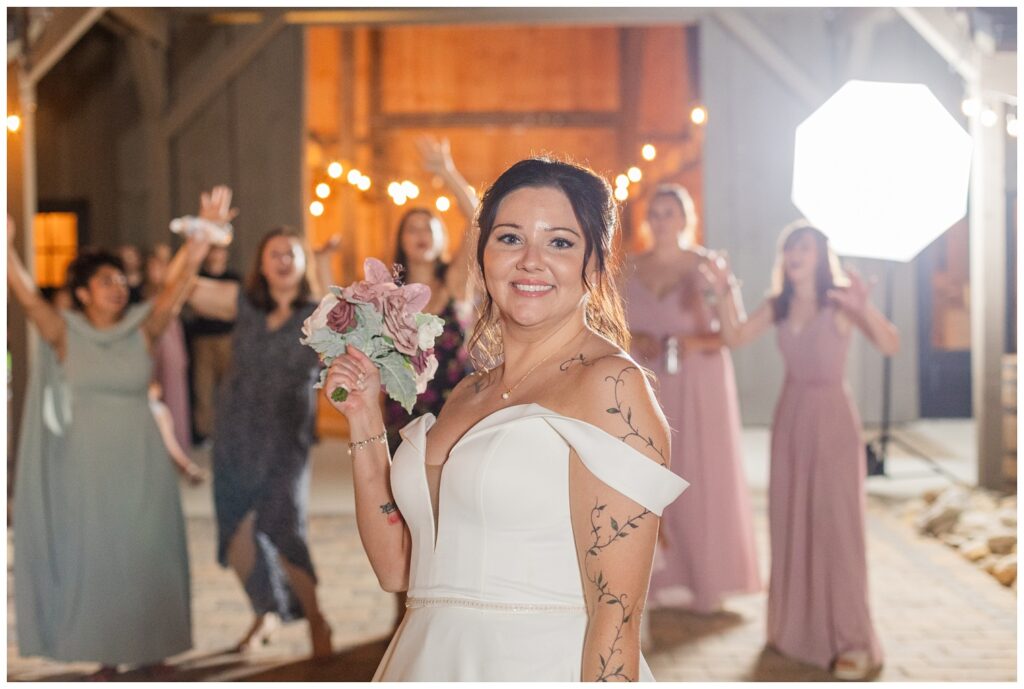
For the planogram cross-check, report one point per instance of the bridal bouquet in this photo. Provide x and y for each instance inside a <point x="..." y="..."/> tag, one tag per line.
<point x="384" y="321"/>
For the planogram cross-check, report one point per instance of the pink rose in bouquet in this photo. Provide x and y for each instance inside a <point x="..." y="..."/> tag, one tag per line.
<point x="400" y="307"/>
<point x="342" y="317"/>
<point x="384" y="320"/>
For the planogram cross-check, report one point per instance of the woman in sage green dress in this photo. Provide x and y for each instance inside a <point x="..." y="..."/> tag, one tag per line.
<point x="100" y="560"/>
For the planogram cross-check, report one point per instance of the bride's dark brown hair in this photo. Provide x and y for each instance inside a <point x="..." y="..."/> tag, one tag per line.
<point x="594" y="206"/>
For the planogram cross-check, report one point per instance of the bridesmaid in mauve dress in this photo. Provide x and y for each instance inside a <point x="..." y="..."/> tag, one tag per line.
<point x="818" y="609"/>
<point x="709" y="536"/>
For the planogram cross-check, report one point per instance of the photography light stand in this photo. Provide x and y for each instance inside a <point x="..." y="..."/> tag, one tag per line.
<point x="878" y="449"/>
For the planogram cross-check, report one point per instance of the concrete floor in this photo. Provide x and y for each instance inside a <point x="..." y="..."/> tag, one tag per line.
<point x="939" y="617"/>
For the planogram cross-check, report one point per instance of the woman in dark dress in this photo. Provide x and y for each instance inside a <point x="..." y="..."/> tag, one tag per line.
<point x="264" y="429"/>
<point x="419" y="248"/>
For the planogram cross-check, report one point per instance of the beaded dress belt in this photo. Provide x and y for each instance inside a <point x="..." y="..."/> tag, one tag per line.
<point x="492" y="606"/>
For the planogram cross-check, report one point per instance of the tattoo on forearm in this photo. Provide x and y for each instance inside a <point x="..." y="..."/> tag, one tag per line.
<point x="578" y="359"/>
<point x="390" y="510"/>
<point x="610" y="667"/>
<point x="627" y="414"/>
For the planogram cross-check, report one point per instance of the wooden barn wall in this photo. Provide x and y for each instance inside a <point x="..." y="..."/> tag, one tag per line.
<point x="499" y="94"/>
<point x="249" y="136"/>
<point x="85" y="117"/>
<point x="593" y="94"/>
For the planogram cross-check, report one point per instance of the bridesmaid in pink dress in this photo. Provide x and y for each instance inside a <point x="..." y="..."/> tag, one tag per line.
<point x="708" y="536"/>
<point x="818" y="609"/>
<point x="170" y="356"/>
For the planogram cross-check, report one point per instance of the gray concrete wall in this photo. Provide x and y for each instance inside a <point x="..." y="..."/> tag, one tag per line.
<point x="748" y="158"/>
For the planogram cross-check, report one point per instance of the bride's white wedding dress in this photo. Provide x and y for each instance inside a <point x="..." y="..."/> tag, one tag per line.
<point x="498" y="596"/>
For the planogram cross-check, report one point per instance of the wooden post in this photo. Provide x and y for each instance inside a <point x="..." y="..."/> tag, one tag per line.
<point x="148" y="62"/>
<point x="988" y="285"/>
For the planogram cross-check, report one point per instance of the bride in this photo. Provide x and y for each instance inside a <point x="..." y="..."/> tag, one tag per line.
<point x="523" y="525"/>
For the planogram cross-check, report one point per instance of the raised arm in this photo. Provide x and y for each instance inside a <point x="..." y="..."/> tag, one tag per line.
<point x="735" y="328"/>
<point x="322" y="265"/>
<point x="436" y="156"/>
<point x="382" y="530"/>
<point x="854" y="303"/>
<point x="214" y="206"/>
<point x="616" y="536"/>
<point x="214" y="298"/>
<point x="45" y="317"/>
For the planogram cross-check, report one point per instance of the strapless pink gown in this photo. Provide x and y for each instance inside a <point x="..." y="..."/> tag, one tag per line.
<point x="818" y="591"/>
<point x="710" y="551"/>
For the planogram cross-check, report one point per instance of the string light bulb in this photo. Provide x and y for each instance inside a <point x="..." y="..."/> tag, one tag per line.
<point x="622" y="193"/>
<point x="394" y="188"/>
<point x="323" y="190"/>
<point x="364" y="183"/>
<point x="621" y="181"/>
<point x="988" y="117"/>
<point x="13" y="123"/>
<point x="634" y="174"/>
<point x="399" y="199"/>
<point x="316" y="209"/>
<point x="410" y="189"/>
<point x="354" y="176"/>
<point x="334" y="170"/>
<point x="699" y="115"/>
<point x="970" y="107"/>
<point x="648" y="152"/>
<point x="442" y="203"/>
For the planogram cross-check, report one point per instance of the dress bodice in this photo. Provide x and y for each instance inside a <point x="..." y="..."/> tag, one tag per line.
<point x="816" y="354"/>
<point x="682" y="310"/>
<point x="111" y="362"/>
<point x="504" y="529"/>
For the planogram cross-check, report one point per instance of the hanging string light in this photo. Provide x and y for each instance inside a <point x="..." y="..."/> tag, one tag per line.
<point x="316" y="209"/>
<point x="699" y="115"/>
<point x="634" y="174"/>
<point x="442" y="203"/>
<point x="13" y="123"/>
<point x="648" y="152"/>
<point x="323" y="190"/>
<point x="334" y="170"/>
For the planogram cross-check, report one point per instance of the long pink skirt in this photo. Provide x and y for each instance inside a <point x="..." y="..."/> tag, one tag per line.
<point x="710" y="552"/>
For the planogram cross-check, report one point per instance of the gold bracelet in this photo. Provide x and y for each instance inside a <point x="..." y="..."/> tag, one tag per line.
<point x="382" y="438"/>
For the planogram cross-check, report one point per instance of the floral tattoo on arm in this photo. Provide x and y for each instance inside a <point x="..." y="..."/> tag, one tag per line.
<point x="625" y="411"/>
<point x="610" y="665"/>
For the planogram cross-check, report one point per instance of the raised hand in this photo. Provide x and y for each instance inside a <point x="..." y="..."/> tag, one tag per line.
<point x="360" y="377"/>
<point x="716" y="270"/>
<point x="332" y="244"/>
<point x="435" y="154"/>
<point x="854" y="298"/>
<point x="215" y="205"/>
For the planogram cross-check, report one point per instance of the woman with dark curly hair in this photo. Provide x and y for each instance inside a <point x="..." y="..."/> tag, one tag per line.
<point x="100" y="560"/>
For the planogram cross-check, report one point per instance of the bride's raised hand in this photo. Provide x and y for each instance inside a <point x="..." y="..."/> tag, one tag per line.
<point x="359" y="377"/>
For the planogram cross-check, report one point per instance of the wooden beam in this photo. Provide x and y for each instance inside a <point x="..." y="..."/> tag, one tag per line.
<point x="222" y="71"/>
<point x="773" y="57"/>
<point x="533" y="118"/>
<point x="58" y="37"/>
<point x="148" y="61"/>
<point x="151" y="23"/>
<point x="623" y="16"/>
<point x="949" y="39"/>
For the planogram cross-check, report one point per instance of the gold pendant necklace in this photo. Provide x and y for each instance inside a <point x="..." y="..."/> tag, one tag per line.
<point x="508" y="393"/>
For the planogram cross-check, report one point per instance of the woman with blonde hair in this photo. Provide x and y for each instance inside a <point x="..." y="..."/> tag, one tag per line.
<point x="708" y="546"/>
